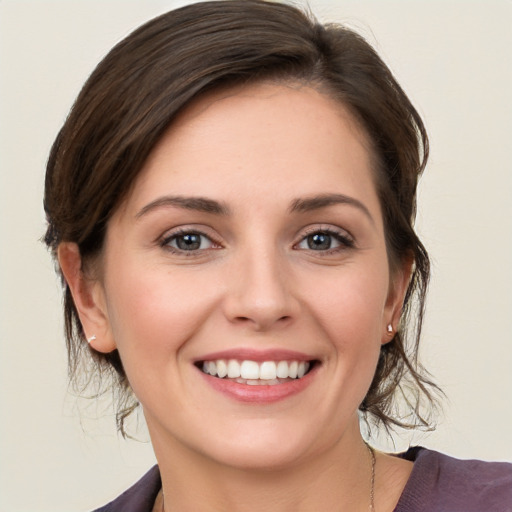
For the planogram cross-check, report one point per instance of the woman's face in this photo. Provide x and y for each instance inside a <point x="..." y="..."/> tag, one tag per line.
<point x="252" y="242"/>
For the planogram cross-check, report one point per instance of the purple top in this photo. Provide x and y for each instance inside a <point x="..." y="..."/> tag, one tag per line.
<point x="438" y="483"/>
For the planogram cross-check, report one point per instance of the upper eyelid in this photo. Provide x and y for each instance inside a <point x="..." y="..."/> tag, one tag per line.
<point x="187" y="228"/>
<point x="324" y="228"/>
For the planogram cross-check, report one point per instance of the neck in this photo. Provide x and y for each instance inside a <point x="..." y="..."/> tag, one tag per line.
<point x="339" y="479"/>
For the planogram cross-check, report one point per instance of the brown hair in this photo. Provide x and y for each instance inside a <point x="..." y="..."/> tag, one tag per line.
<point x="137" y="90"/>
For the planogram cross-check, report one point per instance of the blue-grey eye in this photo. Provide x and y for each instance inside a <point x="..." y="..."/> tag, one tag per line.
<point x="323" y="241"/>
<point x="189" y="241"/>
<point x="319" y="241"/>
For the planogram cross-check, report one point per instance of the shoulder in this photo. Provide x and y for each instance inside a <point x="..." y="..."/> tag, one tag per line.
<point x="442" y="483"/>
<point x="138" y="498"/>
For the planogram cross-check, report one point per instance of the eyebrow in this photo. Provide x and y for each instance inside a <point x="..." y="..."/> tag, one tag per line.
<point x="205" y="205"/>
<point x="323" y="200"/>
<point x="199" y="204"/>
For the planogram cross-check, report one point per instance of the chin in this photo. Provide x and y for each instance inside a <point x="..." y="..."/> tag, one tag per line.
<point x="267" y="446"/>
<point x="260" y="458"/>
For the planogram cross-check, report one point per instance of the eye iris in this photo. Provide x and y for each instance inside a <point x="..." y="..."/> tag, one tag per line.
<point x="188" y="242"/>
<point x="319" y="241"/>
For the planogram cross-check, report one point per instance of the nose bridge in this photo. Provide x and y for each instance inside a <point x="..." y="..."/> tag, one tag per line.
<point x="260" y="293"/>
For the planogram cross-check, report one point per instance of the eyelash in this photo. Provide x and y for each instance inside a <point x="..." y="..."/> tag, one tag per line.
<point x="345" y="241"/>
<point x="166" y="241"/>
<point x="342" y="237"/>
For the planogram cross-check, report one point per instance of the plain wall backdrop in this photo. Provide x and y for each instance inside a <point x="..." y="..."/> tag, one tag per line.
<point x="454" y="60"/>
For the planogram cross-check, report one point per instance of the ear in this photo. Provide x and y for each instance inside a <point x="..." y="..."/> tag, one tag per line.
<point x="89" y="298"/>
<point x="399" y="282"/>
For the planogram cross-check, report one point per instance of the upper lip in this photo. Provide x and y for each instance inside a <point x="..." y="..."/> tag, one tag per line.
<point x="250" y="354"/>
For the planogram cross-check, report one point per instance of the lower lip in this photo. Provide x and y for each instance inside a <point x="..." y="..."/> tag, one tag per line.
<point x="260" y="394"/>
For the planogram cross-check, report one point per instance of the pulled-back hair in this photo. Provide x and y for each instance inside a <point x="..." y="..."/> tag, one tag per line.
<point x="138" y="89"/>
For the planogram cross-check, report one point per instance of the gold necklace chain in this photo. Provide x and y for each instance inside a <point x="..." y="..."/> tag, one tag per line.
<point x="371" y="451"/>
<point x="372" y="478"/>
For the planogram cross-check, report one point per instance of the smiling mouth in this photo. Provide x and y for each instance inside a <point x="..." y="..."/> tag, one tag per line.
<point x="253" y="373"/>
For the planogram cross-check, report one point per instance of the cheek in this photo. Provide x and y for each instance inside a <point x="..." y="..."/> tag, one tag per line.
<point x="350" y="306"/>
<point x="153" y="313"/>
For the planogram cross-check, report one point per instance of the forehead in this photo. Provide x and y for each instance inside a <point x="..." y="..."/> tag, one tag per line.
<point x="260" y="139"/>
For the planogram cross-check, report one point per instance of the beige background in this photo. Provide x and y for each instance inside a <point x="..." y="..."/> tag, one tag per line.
<point x="454" y="60"/>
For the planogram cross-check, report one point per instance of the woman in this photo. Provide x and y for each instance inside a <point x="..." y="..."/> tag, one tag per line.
<point x="231" y="204"/>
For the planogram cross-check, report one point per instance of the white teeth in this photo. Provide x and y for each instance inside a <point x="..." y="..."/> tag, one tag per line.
<point x="268" y="370"/>
<point x="253" y="373"/>
<point x="233" y="369"/>
<point x="212" y="368"/>
<point x="292" y="370"/>
<point x="250" y="370"/>
<point x="302" y="369"/>
<point x="258" y="382"/>
<point x="282" y="370"/>
<point x="222" y="368"/>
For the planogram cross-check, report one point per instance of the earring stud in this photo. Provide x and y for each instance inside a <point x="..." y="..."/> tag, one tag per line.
<point x="92" y="338"/>
<point x="390" y="329"/>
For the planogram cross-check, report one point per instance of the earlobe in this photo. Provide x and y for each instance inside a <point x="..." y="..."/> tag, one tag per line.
<point x="89" y="298"/>
<point x="398" y="288"/>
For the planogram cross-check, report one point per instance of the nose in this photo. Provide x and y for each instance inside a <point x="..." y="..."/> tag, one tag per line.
<point x="260" y="292"/>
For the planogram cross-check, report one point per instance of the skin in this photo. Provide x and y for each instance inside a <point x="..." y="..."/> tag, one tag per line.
<point x="254" y="283"/>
